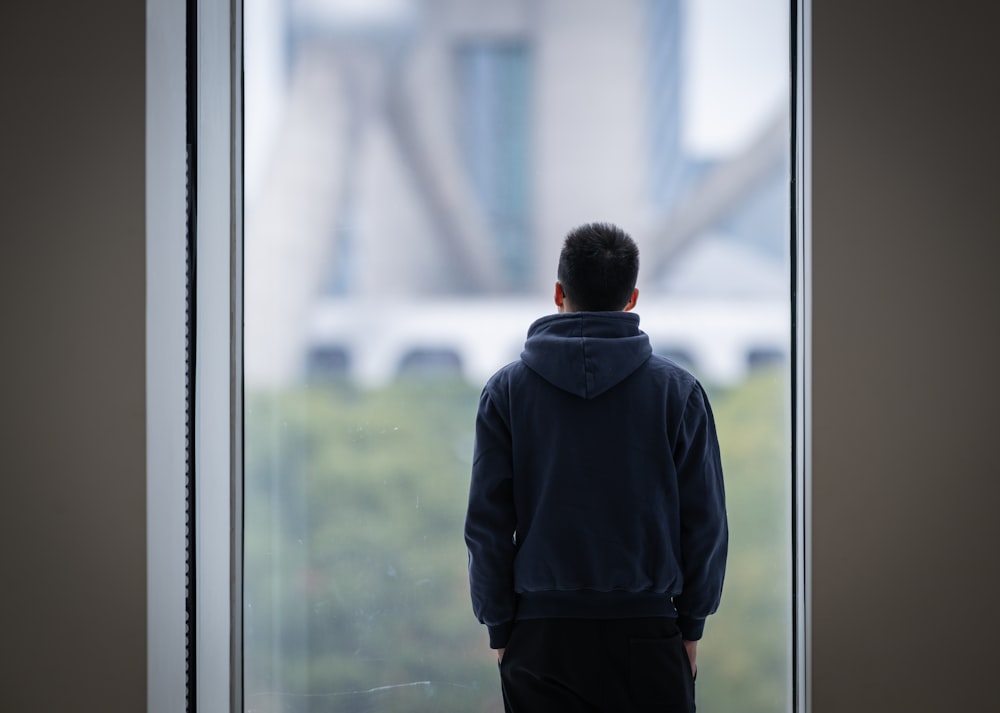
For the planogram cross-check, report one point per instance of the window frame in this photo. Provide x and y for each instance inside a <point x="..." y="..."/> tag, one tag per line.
<point x="214" y="644"/>
<point x="800" y="109"/>
<point x="194" y="353"/>
<point x="166" y="680"/>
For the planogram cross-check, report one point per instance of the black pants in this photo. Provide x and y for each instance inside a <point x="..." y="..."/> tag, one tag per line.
<point x="596" y="666"/>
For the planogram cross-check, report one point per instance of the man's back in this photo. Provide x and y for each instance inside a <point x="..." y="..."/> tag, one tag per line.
<point x="605" y="452"/>
<point x="596" y="525"/>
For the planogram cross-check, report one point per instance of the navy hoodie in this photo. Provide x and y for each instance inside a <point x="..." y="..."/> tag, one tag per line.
<point x="596" y="485"/>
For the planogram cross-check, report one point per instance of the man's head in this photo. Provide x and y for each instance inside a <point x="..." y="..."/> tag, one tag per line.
<point x="598" y="268"/>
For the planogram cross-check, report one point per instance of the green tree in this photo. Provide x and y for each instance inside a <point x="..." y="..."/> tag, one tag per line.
<point x="356" y="596"/>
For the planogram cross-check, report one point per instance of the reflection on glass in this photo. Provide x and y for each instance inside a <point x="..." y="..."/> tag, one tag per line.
<point x="411" y="169"/>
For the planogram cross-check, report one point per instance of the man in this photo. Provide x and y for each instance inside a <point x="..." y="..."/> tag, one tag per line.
<point x="596" y="524"/>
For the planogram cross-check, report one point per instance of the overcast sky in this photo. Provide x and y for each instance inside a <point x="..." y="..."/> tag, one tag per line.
<point x="738" y="68"/>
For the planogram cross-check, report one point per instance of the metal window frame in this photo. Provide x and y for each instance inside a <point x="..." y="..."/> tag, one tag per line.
<point x="194" y="433"/>
<point x="801" y="203"/>
<point x="219" y="324"/>
<point x="216" y="632"/>
<point x="166" y="678"/>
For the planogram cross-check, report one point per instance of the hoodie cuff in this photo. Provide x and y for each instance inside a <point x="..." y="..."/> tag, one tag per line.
<point x="691" y="629"/>
<point x="499" y="634"/>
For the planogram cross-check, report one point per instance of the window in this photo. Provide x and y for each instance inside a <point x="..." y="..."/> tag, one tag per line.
<point x="410" y="171"/>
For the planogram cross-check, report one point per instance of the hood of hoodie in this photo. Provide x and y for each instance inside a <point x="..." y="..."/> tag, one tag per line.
<point x="586" y="353"/>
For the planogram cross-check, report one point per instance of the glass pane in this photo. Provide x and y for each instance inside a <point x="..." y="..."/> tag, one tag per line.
<point x="411" y="170"/>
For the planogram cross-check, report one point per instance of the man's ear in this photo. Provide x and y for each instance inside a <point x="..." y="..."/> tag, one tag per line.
<point x="560" y="296"/>
<point x="631" y="302"/>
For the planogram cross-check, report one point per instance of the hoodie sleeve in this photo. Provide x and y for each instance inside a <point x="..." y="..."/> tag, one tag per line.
<point x="490" y="523"/>
<point x="704" y="528"/>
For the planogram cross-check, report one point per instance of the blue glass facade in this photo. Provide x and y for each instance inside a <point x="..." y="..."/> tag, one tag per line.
<point x="494" y="107"/>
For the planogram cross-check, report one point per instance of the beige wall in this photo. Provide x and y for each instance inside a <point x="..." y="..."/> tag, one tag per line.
<point x="905" y="382"/>
<point x="72" y="376"/>
<point x="906" y="391"/>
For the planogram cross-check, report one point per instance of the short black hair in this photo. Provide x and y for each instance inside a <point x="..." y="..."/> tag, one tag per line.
<point x="598" y="267"/>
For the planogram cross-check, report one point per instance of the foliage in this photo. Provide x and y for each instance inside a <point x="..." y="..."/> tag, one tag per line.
<point x="356" y="597"/>
<point x="744" y="660"/>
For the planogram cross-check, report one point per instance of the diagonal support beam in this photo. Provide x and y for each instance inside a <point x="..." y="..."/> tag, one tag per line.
<point x="720" y="192"/>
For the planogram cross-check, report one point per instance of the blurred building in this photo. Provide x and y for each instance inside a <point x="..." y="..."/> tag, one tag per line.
<point x="442" y="148"/>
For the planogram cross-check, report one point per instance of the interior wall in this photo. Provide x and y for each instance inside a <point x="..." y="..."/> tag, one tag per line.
<point x="904" y="378"/>
<point x="906" y="463"/>
<point x="72" y="377"/>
